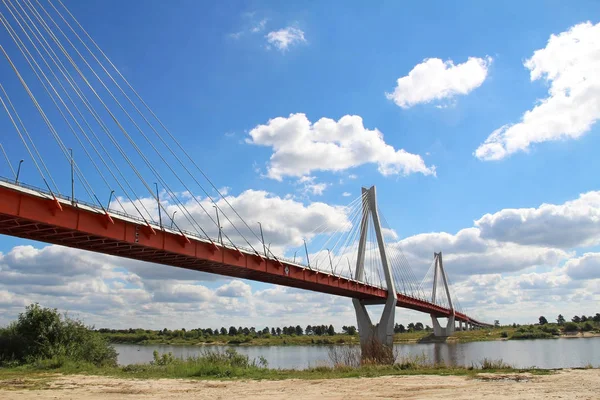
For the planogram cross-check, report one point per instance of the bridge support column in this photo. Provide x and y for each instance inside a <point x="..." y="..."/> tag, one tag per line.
<point x="460" y="326"/>
<point x="376" y="340"/>
<point x="438" y="330"/>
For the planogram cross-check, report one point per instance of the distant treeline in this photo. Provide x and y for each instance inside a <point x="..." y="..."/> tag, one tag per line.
<point x="198" y="333"/>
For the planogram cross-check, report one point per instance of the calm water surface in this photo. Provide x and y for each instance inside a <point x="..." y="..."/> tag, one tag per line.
<point x="556" y="353"/>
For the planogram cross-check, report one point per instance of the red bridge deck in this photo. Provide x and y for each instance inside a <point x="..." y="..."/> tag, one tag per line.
<point x="33" y="214"/>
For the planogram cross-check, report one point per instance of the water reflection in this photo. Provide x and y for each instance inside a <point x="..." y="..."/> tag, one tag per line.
<point x="556" y="353"/>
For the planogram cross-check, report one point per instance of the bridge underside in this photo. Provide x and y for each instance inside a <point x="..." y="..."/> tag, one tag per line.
<point x="34" y="215"/>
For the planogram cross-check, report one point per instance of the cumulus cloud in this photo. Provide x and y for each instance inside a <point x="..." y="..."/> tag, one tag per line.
<point x="259" y="26"/>
<point x="105" y="292"/>
<point x="467" y="253"/>
<point x="285" y="38"/>
<point x="285" y="221"/>
<point x="300" y="147"/>
<point x="575" y="223"/>
<point x="235" y="289"/>
<point x="434" y="79"/>
<point x="311" y="186"/>
<point x="569" y="63"/>
<point x="584" y="267"/>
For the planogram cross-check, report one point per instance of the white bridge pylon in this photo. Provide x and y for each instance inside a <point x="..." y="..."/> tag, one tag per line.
<point x="439" y="271"/>
<point x="383" y="332"/>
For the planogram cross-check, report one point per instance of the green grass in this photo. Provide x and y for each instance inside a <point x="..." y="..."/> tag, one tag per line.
<point x="202" y="368"/>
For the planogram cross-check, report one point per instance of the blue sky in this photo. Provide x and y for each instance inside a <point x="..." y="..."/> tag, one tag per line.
<point x="215" y="73"/>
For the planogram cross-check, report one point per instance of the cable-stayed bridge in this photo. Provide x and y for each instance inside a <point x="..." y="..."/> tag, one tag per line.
<point x="60" y="95"/>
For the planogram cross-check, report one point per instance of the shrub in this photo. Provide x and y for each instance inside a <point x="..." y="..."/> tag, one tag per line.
<point x="571" y="327"/>
<point x="504" y="334"/>
<point x="531" y="335"/>
<point x="551" y="329"/>
<point x="43" y="334"/>
<point x="587" y="327"/>
<point x="488" y="364"/>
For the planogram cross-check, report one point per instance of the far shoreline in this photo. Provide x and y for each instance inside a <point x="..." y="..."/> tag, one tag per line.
<point x="459" y="337"/>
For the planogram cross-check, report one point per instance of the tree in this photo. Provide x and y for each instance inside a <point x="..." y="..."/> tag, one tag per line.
<point x="399" y="328"/>
<point x="496" y="323"/>
<point x="299" y="330"/>
<point x="584" y="318"/>
<point x="543" y="320"/>
<point x="349" y="330"/>
<point x="596" y="317"/>
<point x="223" y="331"/>
<point x="308" y="330"/>
<point x="418" y="326"/>
<point x="571" y="327"/>
<point x="560" y="320"/>
<point x="576" y="319"/>
<point x="411" y="327"/>
<point x="273" y="331"/>
<point x="278" y="330"/>
<point x="43" y="333"/>
<point x="232" y="331"/>
<point x="330" y="330"/>
<point x="246" y="331"/>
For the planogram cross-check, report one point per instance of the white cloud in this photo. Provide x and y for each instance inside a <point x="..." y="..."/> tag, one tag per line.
<point x="569" y="63"/>
<point x="300" y="147"/>
<point x="260" y="26"/>
<point x="310" y="186"/>
<point x="346" y="194"/>
<point x="467" y="253"/>
<point x="235" y="289"/>
<point x="575" y="223"/>
<point x="236" y="35"/>
<point x="584" y="267"/>
<point x="435" y="79"/>
<point x="285" y="221"/>
<point x="284" y="38"/>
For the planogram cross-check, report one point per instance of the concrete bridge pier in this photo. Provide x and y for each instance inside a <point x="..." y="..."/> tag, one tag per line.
<point x="376" y="340"/>
<point x="440" y="331"/>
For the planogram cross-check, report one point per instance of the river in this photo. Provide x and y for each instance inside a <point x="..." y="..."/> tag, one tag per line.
<point x="551" y="353"/>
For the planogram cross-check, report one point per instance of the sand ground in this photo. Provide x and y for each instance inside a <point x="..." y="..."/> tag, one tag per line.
<point x="566" y="384"/>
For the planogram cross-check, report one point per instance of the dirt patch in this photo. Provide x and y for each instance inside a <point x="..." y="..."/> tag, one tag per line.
<point x="571" y="384"/>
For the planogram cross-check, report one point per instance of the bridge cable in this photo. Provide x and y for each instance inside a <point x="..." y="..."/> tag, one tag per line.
<point x="119" y="125"/>
<point x="8" y="161"/>
<point x="152" y="113"/>
<point x="156" y="132"/>
<point x="21" y="47"/>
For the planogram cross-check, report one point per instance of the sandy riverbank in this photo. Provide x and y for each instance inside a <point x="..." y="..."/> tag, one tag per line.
<point x="566" y="384"/>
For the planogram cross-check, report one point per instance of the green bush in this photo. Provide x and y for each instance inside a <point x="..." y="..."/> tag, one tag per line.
<point x="531" y="335"/>
<point x="571" y="327"/>
<point x="43" y="334"/>
<point x="587" y="327"/>
<point x="551" y="329"/>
